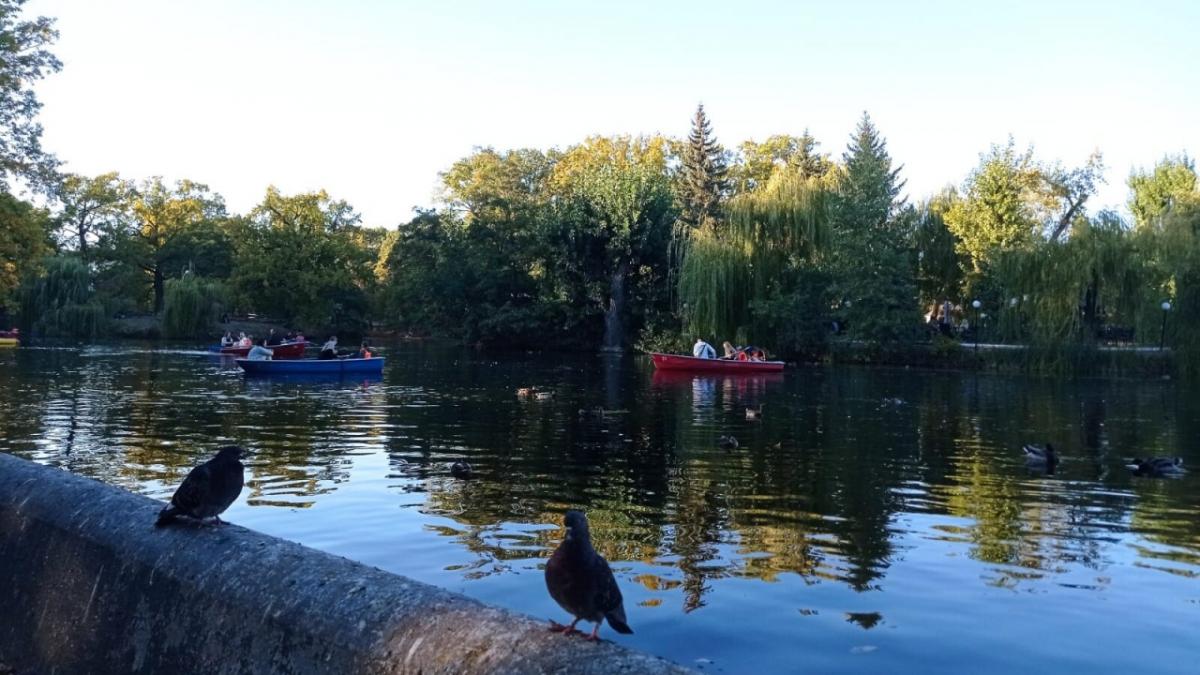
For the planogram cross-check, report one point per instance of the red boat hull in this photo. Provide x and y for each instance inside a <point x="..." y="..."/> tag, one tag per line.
<point x="697" y="365"/>
<point x="291" y="350"/>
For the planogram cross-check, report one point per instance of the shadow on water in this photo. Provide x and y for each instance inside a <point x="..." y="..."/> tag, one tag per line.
<point x="855" y="495"/>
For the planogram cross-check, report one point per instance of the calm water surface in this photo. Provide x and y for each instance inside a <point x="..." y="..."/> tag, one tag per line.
<point x="874" y="520"/>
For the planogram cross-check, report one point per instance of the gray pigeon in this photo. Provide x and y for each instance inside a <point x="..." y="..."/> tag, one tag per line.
<point x="209" y="489"/>
<point x="581" y="582"/>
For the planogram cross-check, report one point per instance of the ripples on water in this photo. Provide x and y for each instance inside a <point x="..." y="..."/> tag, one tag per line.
<point x="872" y="521"/>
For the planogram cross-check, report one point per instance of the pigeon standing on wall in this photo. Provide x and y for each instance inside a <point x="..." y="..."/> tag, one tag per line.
<point x="581" y="582"/>
<point x="209" y="489"/>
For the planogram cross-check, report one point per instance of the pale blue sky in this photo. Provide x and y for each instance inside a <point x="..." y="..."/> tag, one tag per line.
<point x="371" y="99"/>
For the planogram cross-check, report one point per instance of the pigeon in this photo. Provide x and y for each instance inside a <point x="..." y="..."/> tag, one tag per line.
<point x="461" y="469"/>
<point x="581" y="582"/>
<point x="208" y="490"/>
<point x="1036" y="455"/>
<point x="1156" y="466"/>
<point x="727" y="443"/>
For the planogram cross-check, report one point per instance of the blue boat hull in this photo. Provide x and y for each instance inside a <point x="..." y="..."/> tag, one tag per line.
<point x="373" y="366"/>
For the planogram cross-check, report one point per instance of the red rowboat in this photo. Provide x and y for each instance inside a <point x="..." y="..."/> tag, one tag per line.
<point x="698" y="365"/>
<point x="287" y="350"/>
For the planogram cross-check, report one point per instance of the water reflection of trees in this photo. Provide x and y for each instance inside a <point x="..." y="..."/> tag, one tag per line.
<point x="854" y="453"/>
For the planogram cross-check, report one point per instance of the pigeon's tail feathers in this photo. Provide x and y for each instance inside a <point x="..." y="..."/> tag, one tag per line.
<point x="166" y="516"/>
<point x="616" y="619"/>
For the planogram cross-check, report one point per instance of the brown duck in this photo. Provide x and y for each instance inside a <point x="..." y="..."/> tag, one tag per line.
<point x="581" y="582"/>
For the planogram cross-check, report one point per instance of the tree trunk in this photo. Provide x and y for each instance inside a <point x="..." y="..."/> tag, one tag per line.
<point x="614" y="329"/>
<point x="158" y="290"/>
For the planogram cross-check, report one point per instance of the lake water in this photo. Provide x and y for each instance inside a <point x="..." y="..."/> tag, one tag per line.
<point x="872" y="521"/>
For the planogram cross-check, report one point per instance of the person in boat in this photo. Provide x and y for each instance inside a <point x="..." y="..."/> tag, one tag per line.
<point x="273" y="339"/>
<point x="244" y="340"/>
<point x="703" y="350"/>
<point x="260" y="352"/>
<point x="364" y="352"/>
<point x="329" y="350"/>
<point x="227" y="340"/>
<point x="731" y="352"/>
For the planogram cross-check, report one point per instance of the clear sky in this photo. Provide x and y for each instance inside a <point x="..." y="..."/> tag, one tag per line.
<point x="370" y="99"/>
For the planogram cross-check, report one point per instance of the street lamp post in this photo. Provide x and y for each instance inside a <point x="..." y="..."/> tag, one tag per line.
<point x="976" y="304"/>
<point x="1162" y="333"/>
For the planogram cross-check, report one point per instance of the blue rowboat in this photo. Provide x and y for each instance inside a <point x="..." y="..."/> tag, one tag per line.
<point x="372" y="366"/>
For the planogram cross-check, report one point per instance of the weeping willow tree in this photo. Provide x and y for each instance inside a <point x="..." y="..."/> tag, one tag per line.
<point x="191" y="306"/>
<point x="757" y="257"/>
<point x="1057" y="297"/>
<point x="61" y="302"/>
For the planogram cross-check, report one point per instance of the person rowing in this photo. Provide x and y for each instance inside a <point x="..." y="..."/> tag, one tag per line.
<point x="329" y="350"/>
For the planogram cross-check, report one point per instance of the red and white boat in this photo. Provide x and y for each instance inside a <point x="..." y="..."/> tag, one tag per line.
<point x="698" y="365"/>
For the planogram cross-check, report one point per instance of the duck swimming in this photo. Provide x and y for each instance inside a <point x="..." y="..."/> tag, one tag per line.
<point x="754" y="414"/>
<point x="727" y="443"/>
<point x="1156" y="466"/>
<point x="1039" y="455"/>
<point x="461" y="469"/>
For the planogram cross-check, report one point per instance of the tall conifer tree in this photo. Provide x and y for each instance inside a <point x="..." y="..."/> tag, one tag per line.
<point x="874" y="274"/>
<point x="703" y="181"/>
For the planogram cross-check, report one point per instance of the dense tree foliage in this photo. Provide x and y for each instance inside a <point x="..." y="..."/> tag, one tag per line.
<point x="25" y="58"/>
<point x="24" y="243"/>
<point x="300" y="259"/>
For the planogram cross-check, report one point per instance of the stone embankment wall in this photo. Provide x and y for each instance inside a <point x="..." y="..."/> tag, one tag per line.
<point x="89" y="585"/>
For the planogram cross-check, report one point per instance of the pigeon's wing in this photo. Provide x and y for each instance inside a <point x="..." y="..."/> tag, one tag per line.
<point x="608" y="595"/>
<point x="193" y="492"/>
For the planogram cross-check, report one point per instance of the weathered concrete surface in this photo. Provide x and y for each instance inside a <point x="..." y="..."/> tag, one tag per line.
<point x="89" y="585"/>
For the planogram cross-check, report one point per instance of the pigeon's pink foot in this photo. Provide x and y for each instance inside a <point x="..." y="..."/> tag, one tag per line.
<point x="565" y="630"/>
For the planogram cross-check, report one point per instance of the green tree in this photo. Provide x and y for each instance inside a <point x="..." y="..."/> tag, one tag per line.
<point x="610" y="232"/>
<point x="173" y="228"/>
<point x="24" y="242"/>
<point x="873" y="271"/>
<point x="994" y="214"/>
<point x="499" y="200"/>
<point x="762" y="260"/>
<point x="702" y="174"/>
<point x="192" y="306"/>
<point x="91" y="207"/>
<point x="61" y="302"/>
<point x="939" y="270"/>
<point x="1155" y="191"/>
<point x="298" y="260"/>
<point x="24" y="59"/>
<point x="422" y="278"/>
<point x="757" y="162"/>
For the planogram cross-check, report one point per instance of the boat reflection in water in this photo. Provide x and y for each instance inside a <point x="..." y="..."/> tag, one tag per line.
<point x="747" y="389"/>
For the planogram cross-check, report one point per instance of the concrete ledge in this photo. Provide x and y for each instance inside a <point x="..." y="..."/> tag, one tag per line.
<point x="88" y="585"/>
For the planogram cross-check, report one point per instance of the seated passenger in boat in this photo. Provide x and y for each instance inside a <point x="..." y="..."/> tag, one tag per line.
<point x="731" y="352"/>
<point x="260" y="352"/>
<point x="329" y="350"/>
<point x="703" y="350"/>
<point x="364" y="352"/>
<point x="227" y="339"/>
